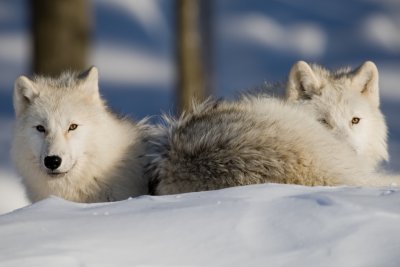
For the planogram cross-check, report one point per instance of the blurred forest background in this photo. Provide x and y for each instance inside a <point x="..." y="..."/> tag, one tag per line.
<point x="153" y="54"/>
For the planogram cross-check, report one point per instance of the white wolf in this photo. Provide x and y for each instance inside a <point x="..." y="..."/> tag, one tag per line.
<point x="253" y="140"/>
<point x="67" y="143"/>
<point x="346" y="102"/>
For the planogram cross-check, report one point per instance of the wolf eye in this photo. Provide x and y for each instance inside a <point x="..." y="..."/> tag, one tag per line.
<point x="355" y="120"/>
<point x="72" y="127"/>
<point x="323" y="121"/>
<point x="40" y="128"/>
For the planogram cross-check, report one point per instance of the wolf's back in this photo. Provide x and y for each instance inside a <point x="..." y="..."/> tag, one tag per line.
<point x="229" y="144"/>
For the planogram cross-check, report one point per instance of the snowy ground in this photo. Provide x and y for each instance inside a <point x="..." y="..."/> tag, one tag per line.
<point x="261" y="225"/>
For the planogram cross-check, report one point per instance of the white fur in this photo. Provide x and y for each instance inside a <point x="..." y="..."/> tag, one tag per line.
<point x="335" y="98"/>
<point x="253" y="140"/>
<point x="100" y="158"/>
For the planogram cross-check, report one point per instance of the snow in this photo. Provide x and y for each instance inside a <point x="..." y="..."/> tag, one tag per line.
<point x="389" y="38"/>
<point x="305" y="39"/>
<point x="147" y="13"/>
<point x="259" y="225"/>
<point x="136" y="65"/>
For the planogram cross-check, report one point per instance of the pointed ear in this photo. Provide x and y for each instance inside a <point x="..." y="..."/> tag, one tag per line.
<point x="24" y="93"/>
<point x="90" y="81"/>
<point x="302" y="82"/>
<point x="366" y="81"/>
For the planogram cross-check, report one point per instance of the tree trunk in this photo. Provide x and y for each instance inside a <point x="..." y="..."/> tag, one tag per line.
<point x="61" y="35"/>
<point x="191" y="54"/>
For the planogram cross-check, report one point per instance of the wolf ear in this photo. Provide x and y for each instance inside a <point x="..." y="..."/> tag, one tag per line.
<point x="302" y="82"/>
<point x="366" y="81"/>
<point x="90" y="79"/>
<point x="24" y="93"/>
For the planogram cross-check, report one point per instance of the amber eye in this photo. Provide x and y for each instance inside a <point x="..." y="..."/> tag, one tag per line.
<point x="355" y="120"/>
<point x="40" y="128"/>
<point x="72" y="127"/>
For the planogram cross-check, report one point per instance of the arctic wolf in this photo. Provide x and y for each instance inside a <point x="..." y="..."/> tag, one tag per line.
<point x="253" y="140"/>
<point x="346" y="102"/>
<point x="67" y="143"/>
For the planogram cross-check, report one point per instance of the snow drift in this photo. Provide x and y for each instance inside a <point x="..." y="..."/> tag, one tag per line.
<point x="258" y="225"/>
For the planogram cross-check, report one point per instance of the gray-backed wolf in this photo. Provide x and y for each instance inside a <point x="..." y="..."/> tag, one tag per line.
<point x="346" y="102"/>
<point x="249" y="141"/>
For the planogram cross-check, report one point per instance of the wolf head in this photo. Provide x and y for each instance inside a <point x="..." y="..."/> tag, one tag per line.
<point x="346" y="102"/>
<point x="54" y="118"/>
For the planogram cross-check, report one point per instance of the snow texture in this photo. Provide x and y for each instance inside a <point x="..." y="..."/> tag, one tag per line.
<point x="259" y="225"/>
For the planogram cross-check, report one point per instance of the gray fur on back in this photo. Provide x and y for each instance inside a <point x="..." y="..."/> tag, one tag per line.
<point x="251" y="141"/>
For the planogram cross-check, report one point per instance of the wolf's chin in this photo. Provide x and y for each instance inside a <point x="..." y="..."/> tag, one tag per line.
<point x="56" y="174"/>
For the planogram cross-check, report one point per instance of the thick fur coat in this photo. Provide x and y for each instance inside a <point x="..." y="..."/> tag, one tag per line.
<point x="346" y="102"/>
<point x="253" y="140"/>
<point x="67" y="143"/>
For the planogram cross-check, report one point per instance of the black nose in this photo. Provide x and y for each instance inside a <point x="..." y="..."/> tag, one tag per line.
<point x="52" y="162"/>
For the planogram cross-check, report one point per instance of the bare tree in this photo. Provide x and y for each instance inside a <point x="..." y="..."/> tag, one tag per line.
<point x="193" y="51"/>
<point x="61" y="35"/>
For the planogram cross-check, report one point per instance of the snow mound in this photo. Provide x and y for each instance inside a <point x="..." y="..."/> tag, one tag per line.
<point x="259" y="225"/>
